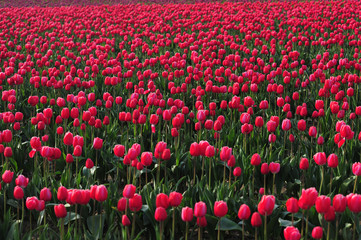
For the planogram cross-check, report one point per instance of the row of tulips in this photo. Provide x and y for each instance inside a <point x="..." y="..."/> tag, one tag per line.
<point x="198" y="112"/>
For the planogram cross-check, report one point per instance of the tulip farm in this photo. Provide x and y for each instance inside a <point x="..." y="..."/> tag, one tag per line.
<point x="180" y="120"/>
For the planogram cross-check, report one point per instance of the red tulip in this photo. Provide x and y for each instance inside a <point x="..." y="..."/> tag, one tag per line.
<point x="332" y="160"/>
<point x="135" y="203"/>
<point x="147" y="158"/>
<point x="356" y="169"/>
<point x="60" y="211"/>
<point x="291" y="233"/>
<point x="122" y="204"/>
<point x="45" y="194"/>
<point x="101" y="193"/>
<point x="62" y="193"/>
<point x="97" y="143"/>
<point x="256" y="220"/>
<point x="266" y="205"/>
<point x="7" y="176"/>
<point x="237" y="171"/>
<point x="31" y="203"/>
<point x="317" y="233"/>
<point x="292" y="205"/>
<point x="308" y="198"/>
<point x="22" y="181"/>
<point x="320" y="158"/>
<point x="187" y="214"/>
<point x="304" y="164"/>
<point x="323" y="203"/>
<point x="244" y="212"/>
<point x="129" y="190"/>
<point x="256" y="159"/>
<point x="160" y="214"/>
<point x="175" y="199"/>
<point x="200" y="209"/>
<point x="220" y="209"/>
<point x="18" y="193"/>
<point x="125" y="221"/>
<point x="119" y="150"/>
<point x="162" y="200"/>
<point x="339" y="203"/>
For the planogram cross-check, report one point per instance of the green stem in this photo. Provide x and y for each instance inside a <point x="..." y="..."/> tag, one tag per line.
<point x="243" y="230"/>
<point x="219" y="230"/>
<point x="265" y="226"/>
<point x="306" y="233"/>
<point x="158" y="173"/>
<point x="322" y="173"/>
<point x="173" y="223"/>
<point x="354" y="185"/>
<point x="62" y="229"/>
<point x="209" y="173"/>
<point x="273" y="184"/>
<point x="186" y="238"/>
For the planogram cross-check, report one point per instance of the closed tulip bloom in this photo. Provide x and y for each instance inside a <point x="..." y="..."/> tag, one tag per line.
<point x="202" y="222"/>
<point x="175" y="199"/>
<point x="146" y="158"/>
<point x="7" y="176"/>
<point x="332" y="160"/>
<point x="274" y="167"/>
<point x="323" y="203"/>
<point x="97" y="143"/>
<point x="77" y="151"/>
<point x="244" y="212"/>
<point x="31" y="203"/>
<point x="45" y="194"/>
<point x="125" y="221"/>
<point x="8" y="152"/>
<point x="330" y="215"/>
<point x="308" y="198"/>
<point x="162" y="200"/>
<point x="187" y="214"/>
<point x="22" y="181"/>
<point x="129" y="190"/>
<point x="256" y="220"/>
<point x="68" y="139"/>
<point x="339" y="203"/>
<point x="7" y="136"/>
<point x="166" y="154"/>
<point x="60" y="211"/>
<point x="18" y="193"/>
<point x="210" y="151"/>
<point x="264" y="168"/>
<point x="271" y="126"/>
<point x="291" y="233"/>
<point x="237" y="171"/>
<point x="89" y="164"/>
<point x="356" y="169"/>
<point x="292" y="205"/>
<point x="317" y="233"/>
<point x="304" y="164"/>
<point x="119" y="150"/>
<point x="301" y="125"/>
<point x="354" y="202"/>
<point x="226" y="153"/>
<point x="122" y="204"/>
<point x="256" y="159"/>
<point x="160" y="214"/>
<point x="69" y="158"/>
<point x="286" y="125"/>
<point x="259" y="122"/>
<point x="62" y="193"/>
<point x="101" y="193"/>
<point x="200" y="209"/>
<point x="194" y="149"/>
<point x="320" y="158"/>
<point x="266" y="205"/>
<point x="220" y="209"/>
<point x="135" y="203"/>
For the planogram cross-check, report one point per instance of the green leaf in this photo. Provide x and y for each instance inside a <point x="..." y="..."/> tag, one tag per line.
<point x="227" y="224"/>
<point x="286" y="223"/>
<point x="94" y="225"/>
<point x="71" y="217"/>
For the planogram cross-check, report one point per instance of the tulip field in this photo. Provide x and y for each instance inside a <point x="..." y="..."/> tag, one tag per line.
<point x="180" y="120"/>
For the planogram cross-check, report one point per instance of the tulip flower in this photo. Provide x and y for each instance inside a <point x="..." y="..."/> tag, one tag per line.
<point x="187" y="216"/>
